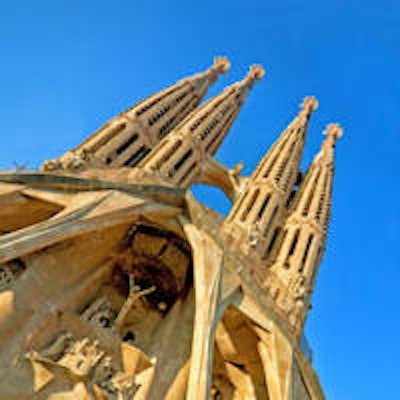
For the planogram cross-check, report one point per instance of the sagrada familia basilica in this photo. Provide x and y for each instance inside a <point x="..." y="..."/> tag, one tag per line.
<point x="116" y="283"/>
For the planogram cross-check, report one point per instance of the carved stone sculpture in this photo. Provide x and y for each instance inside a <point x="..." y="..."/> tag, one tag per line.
<point x="115" y="283"/>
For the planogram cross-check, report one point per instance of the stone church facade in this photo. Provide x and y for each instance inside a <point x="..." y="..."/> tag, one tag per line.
<point x="116" y="283"/>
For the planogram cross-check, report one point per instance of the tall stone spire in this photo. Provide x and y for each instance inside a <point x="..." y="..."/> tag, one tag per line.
<point x="180" y="156"/>
<point x="259" y="210"/>
<point x="127" y="138"/>
<point x="304" y="234"/>
<point x="146" y="293"/>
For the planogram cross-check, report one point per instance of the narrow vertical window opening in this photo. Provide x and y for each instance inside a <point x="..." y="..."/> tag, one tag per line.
<point x="271" y="245"/>
<point x="294" y="243"/>
<point x="250" y="205"/>
<point x="263" y="207"/>
<point x="306" y="251"/>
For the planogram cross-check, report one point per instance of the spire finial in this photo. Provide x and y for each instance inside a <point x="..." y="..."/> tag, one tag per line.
<point x="333" y="132"/>
<point x="309" y="105"/>
<point x="221" y="66"/>
<point x="256" y="72"/>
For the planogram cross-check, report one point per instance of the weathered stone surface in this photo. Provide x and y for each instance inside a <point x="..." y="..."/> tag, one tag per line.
<point x="115" y="283"/>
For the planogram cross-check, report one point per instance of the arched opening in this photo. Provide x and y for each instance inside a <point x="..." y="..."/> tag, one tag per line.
<point x="238" y="368"/>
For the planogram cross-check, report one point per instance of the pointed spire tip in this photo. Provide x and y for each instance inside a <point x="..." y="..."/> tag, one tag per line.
<point x="256" y="72"/>
<point x="309" y="104"/>
<point x="333" y="132"/>
<point x="221" y="64"/>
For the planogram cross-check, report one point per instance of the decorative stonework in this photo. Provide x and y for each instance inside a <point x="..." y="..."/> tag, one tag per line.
<point x="115" y="283"/>
<point x="83" y="360"/>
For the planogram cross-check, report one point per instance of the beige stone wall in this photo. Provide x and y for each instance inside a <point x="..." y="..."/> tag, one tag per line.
<point x="115" y="283"/>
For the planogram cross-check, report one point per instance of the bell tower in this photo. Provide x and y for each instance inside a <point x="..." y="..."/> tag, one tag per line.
<point x="179" y="157"/>
<point x="117" y="284"/>
<point x="129" y="137"/>
<point x="258" y="213"/>
<point x="304" y="236"/>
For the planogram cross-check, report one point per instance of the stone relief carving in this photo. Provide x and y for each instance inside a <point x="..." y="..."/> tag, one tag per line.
<point x="85" y="361"/>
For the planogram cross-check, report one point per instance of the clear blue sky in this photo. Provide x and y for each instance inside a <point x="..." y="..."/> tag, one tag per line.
<point x="68" y="66"/>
